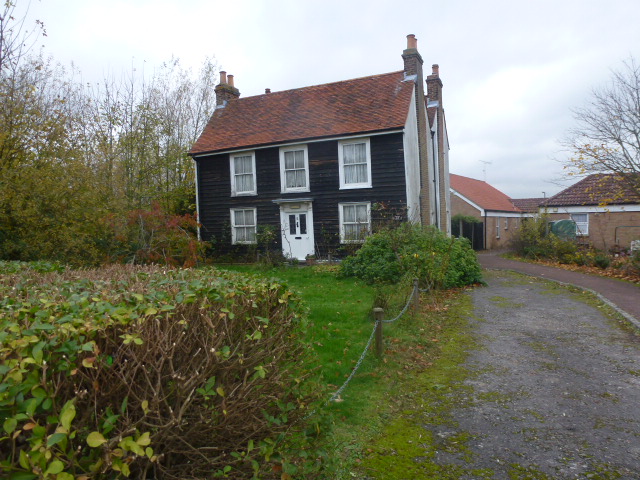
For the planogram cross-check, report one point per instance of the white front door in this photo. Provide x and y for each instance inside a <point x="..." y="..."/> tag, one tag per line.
<point x="297" y="230"/>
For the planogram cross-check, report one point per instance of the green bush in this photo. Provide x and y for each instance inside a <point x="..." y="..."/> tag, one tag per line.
<point x="438" y="261"/>
<point x="534" y="240"/>
<point x="147" y="373"/>
<point x="602" y="261"/>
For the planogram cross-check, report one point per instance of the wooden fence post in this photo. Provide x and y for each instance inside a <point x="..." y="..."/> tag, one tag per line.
<point x="416" y="298"/>
<point x="377" y="316"/>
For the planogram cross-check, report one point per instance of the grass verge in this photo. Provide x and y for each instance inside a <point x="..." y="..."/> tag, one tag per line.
<point x="377" y="398"/>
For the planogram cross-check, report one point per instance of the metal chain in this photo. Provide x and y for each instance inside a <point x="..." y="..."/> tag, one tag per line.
<point x="355" y="369"/>
<point x="366" y="349"/>
<point x="404" y="310"/>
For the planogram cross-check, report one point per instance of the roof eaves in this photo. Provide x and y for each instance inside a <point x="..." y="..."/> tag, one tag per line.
<point x="295" y="141"/>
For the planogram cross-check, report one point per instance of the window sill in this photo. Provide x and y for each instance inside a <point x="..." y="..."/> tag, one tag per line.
<point x="243" y="194"/>
<point x="356" y="186"/>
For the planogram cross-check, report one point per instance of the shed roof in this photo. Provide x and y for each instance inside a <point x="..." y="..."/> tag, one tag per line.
<point x="362" y="105"/>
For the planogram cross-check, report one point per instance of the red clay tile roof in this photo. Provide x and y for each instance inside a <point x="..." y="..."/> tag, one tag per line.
<point x="528" y="204"/>
<point x="597" y="189"/>
<point x="481" y="193"/>
<point x="362" y="105"/>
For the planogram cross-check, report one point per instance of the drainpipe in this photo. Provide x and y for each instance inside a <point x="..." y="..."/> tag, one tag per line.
<point x="485" y="231"/>
<point x="615" y="231"/>
<point x="436" y="173"/>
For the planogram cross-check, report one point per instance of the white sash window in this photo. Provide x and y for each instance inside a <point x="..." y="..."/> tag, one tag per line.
<point x="243" y="225"/>
<point x="355" y="222"/>
<point x="243" y="174"/>
<point x="294" y="169"/>
<point x="355" y="163"/>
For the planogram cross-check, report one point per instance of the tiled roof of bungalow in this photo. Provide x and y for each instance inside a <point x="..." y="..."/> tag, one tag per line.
<point x="529" y="205"/>
<point x="596" y="189"/>
<point x="482" y="194"/>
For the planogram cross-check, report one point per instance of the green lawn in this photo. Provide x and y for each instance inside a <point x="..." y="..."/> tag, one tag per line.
<point x="340" y="313"/>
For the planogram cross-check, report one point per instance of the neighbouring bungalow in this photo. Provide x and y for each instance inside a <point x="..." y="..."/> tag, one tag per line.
<point x="497" y="217"/>
<point x="605" y="209"/>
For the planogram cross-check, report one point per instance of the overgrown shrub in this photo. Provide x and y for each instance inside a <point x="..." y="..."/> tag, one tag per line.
<point x="152" y="235"/>
<point x="438" y="261"/>
<point x="534" y="240"/>
<point x="147" y="373"/>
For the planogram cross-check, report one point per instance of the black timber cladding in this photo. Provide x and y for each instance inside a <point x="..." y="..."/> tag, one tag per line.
<point x="215" y="200"/>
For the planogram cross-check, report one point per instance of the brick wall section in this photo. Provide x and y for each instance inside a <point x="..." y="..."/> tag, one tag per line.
<point x="602" y="228"/>
<point x="459" y="206"/>
<point x="506" y="234"/>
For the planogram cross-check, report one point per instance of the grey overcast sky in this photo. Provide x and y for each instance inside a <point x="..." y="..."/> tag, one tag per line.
<point x="512" y="69"/>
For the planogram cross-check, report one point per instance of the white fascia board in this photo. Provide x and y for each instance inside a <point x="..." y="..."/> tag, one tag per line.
<point x="592" y="209"/>
<point x="505" y="213"/>
<point x="301" y="142"/>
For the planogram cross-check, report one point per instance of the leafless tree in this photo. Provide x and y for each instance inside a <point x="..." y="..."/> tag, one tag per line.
<point x="607" y="136"/>
<point x="16" y="40"/>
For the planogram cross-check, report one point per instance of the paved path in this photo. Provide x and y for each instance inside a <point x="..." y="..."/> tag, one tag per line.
<point x="625" y="296"/>
<point x="553" y="389"/>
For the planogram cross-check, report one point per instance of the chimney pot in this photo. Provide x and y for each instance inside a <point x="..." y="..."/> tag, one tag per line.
<point x="412" y="42"/>
<point x="267" y="90"/>
<point x="223" y="77"/>
<point x="435" y="69"/>
<point x="230" y="80"/>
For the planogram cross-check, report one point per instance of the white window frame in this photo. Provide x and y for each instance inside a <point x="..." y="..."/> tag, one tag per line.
<point x="497" y="227"/>
<point x="341" y="206"/>
<point x="506" y="223"/>
<point x="234" y="190"/>
<point x="234" y="240"/>
<point x="582" y="228"/>
<point x="283" y="174"/>
<point x="352" y="141"/>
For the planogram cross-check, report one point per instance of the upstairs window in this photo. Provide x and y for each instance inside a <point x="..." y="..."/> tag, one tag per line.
<point x="355" y="163"/>
<point x="294" y="169"/>
<point x="243" y="226"/>
<point x="243" y="174"/>
<point x="355" y="222"/>
<point x="582" y="223"/>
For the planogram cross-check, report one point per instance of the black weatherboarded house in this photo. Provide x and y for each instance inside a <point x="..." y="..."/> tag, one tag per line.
<point x="313" y="163"/>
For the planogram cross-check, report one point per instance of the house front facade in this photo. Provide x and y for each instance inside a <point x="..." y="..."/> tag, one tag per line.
<point x="318" y="167"/>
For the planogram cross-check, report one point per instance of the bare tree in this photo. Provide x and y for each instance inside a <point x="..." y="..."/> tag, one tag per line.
<point x="607" y="136"/>
<point x="16" y="40"/>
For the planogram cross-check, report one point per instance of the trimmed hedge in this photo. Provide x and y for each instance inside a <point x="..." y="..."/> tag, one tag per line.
<point x="147" y="373"/>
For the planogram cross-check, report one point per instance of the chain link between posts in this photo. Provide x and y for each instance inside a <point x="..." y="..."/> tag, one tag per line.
<point x="414" y="291"/>
<point x="337" y="393"/>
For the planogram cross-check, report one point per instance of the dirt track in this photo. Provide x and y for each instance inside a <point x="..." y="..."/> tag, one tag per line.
<point x="554" y="390"/>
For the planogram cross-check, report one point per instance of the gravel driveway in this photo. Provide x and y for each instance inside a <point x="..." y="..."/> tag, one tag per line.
<point x="554" y="390"/>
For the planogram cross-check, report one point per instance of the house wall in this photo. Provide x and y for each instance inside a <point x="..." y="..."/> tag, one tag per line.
<point x="602" y="227"/>
<point x="412" y="163"/>
<point x="388" y="190"/>
<point x="509" y="224"/>
<point x="459" y="206"/>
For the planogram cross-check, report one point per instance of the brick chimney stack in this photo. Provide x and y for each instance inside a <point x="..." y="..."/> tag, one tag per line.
<point x="434" y="85"/>
<point x="412" y="59"/>
<point x="225" y="90"/>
